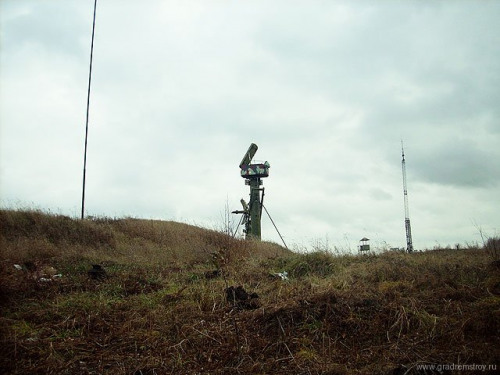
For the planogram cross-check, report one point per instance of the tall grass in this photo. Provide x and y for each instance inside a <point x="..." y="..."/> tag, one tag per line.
<point x="157" y="312"/>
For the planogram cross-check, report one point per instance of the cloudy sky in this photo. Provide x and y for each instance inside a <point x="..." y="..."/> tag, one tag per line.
<point x="326" y="89"/>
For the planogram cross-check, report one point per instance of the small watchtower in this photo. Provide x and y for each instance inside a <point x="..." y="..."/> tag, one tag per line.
<point x="364" y="245"/>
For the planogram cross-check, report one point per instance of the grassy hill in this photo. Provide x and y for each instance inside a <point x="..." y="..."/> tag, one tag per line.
<point x="161" y="304"/>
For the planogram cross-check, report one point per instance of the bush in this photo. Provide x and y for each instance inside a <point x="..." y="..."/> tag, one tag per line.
<point x="318" y="263"/>
<point x="492" y="246"/>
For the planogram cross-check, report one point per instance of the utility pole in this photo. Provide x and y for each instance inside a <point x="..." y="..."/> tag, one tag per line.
<point x="409" y="243"/>
<point x="87" y="117"/>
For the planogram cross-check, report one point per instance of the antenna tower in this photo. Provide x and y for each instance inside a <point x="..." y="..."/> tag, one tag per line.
<point x="409" y="244"/>
<point x="252" y="212"/>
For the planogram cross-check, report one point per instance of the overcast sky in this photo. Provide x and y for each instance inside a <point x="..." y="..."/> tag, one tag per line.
<point x="326" y="89"/>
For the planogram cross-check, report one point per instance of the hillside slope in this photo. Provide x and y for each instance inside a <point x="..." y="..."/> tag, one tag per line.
<point x="162" y="306"/>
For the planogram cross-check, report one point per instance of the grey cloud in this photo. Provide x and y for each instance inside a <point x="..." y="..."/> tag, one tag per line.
<point x="459" y="163"/>
<point x="27" y="27"/>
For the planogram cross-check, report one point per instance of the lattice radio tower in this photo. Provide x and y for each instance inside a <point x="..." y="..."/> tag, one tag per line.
<point x="409" y="244"/>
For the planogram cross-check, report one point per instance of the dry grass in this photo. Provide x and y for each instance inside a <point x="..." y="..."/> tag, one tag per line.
<point x="158" y="313"/>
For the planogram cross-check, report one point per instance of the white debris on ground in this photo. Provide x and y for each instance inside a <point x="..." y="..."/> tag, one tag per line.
<point x="42" y="273"/>
<point x="280" y="275"/>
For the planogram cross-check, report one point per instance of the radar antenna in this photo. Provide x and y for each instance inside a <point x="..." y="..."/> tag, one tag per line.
<point x="253" y="173"/>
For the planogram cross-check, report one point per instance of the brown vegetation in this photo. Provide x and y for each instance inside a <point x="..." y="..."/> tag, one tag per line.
<point x="162" y="305"/>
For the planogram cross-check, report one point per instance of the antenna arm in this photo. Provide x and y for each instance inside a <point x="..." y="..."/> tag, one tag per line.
<point x="247" y="158"/>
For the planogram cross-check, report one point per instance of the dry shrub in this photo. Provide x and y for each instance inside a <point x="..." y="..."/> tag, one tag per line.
<point x="319" y="263"/>
<point x="484" y="324"/>
<point x="158" y="313"/>
<point x="492" y="247"/>
<point x="27" y="249"/>
<point x="56" y="229"/>
<point x="395" y="289"/>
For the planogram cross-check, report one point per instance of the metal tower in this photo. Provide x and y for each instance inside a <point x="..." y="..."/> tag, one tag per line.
<point x="409" y="244"/>
<point x="252" y="173"/>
